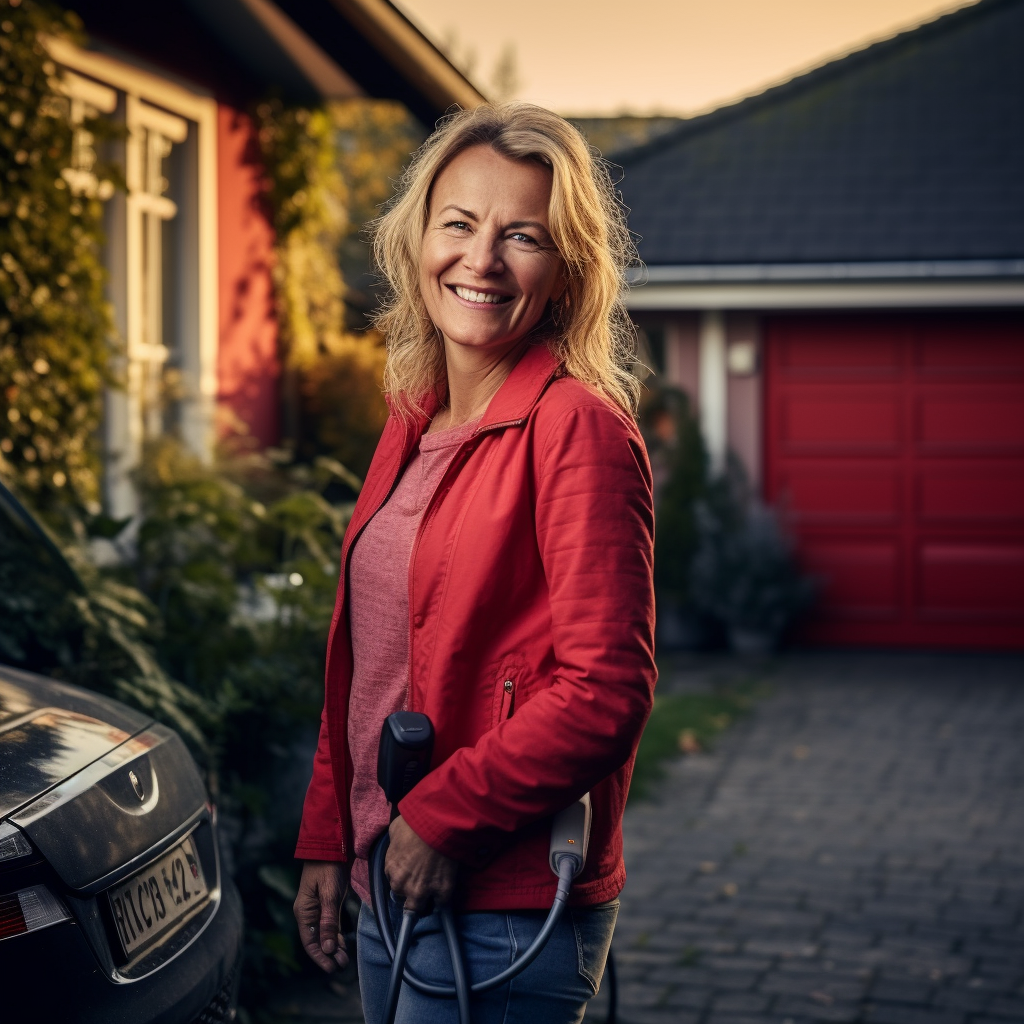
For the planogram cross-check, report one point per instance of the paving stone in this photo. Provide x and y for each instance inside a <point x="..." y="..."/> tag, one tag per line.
<point x="1009" y="1007"/>
<point x="740" y="1002"/>
<point x="734" y="1018"/>
<point x="690" y="997"/>
<point x="898" y="1013"/>
<point x="901" y="991"/>
<point x="882" y="868"/>
<point x="817" y="1009"/>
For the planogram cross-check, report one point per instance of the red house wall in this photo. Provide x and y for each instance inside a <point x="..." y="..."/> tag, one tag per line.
<point x="248" y="366"/>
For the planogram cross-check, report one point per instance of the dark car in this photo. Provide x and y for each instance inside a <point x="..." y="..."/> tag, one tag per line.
<point x="113" y="906"/>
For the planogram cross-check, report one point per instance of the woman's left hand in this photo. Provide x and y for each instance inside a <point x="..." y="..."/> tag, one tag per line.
<point x="418" y="872"/>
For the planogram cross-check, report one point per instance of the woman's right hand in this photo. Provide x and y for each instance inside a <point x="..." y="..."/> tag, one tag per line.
<point x="317" y="910"/>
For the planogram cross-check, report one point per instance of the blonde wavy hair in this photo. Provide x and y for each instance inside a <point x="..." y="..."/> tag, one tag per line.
<point x="588" y="329"/>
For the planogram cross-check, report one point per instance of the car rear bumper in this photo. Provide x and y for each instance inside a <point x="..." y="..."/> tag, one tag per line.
<point x="53" y="975"/>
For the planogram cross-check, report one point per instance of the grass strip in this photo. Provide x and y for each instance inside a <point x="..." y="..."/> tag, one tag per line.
<point x="683" y="723"/>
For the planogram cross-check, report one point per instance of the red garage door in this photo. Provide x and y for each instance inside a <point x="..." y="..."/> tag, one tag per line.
<point x="898" y="445"/>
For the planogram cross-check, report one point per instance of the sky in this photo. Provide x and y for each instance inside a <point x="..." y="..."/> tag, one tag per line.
<point x="597" y="57"/>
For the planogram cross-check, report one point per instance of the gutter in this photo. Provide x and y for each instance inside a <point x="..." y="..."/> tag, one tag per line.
<point x="884" y="284"/>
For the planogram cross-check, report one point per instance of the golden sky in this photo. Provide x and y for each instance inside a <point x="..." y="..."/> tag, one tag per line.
<point x="657" y="56"/>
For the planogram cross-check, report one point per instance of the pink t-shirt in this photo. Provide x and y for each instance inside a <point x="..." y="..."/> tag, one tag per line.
<point x="378" y="588"/>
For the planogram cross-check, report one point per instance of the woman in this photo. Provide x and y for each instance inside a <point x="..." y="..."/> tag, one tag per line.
<point x="496" y="574"/>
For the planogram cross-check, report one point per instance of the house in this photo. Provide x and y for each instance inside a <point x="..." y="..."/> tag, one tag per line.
<point x="835" y="272"/>
<point x="190" y="247"/>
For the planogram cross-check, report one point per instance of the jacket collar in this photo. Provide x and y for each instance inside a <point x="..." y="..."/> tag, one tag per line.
<point x="510" y="406"/>
<point x="522" y="388"/>
<point x="512" y="403"/>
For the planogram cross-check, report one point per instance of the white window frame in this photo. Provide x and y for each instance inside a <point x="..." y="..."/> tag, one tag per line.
<point x="157" y="104"/>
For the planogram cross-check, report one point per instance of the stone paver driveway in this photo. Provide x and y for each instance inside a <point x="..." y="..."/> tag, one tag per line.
<point x="853" y="851"/>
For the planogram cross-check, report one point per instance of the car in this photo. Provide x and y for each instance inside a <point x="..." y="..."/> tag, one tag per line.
<point x="113" y="902"/>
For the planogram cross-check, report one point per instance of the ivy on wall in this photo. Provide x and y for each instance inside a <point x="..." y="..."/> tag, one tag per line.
<point x="55" y="325"/>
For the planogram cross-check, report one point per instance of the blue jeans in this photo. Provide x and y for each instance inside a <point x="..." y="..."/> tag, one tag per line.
<point x="554" y="989"/>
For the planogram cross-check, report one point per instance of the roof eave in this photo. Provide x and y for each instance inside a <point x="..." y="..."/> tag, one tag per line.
<point x="405" y="47"/>
<point x="890" y="285"/>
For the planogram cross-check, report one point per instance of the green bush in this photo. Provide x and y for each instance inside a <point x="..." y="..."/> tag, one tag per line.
<point x="745" y="571"/>
<point x="679" y="461"/>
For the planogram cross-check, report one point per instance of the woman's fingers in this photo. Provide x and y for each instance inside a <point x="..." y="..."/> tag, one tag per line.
<point x="417" y="872"/>
<point x="317" y="908"/>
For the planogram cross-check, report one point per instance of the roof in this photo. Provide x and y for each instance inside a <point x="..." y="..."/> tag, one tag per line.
<point x="908" y="152"/>
<point x="305" y="50"/>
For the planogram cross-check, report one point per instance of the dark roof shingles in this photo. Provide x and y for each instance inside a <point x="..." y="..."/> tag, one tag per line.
<point x="911" y="150"/>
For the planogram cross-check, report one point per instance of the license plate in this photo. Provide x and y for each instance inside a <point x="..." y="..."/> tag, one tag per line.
<point x="157" y="898"/>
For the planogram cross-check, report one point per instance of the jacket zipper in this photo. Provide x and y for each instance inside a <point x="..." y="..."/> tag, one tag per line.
<point x="427" y="513"/>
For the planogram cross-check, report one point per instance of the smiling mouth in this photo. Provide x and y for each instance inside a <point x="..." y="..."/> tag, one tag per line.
<point x="483" y="298"/>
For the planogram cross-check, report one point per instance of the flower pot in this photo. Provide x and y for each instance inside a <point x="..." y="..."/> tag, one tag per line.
<point x="744" y="640"/>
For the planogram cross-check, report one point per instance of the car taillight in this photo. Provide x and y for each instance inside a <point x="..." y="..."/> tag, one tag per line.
<point x="28" y="910"/>
<point x="12" y="843"/>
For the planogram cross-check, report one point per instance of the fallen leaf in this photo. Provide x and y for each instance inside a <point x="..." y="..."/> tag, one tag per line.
<point x="688" y="742"/>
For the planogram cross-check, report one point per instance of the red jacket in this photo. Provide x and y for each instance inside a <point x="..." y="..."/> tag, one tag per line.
<point x="531" y="640"/>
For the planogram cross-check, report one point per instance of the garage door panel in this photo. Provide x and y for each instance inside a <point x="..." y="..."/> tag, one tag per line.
<point x="845" y="423"/>
<point x="897" y="444"/>
<point x="848" y="352"/>
<point x="972" y="496"/>
<point x="976" y="420"/>
<point x="972" y="581"/>
<point x="962" y="348"/>
<point x="826" y="494"/>
<point x="858" y="579"/>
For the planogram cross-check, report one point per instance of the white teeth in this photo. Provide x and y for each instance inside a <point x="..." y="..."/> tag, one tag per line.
<point x="471" y="296"/>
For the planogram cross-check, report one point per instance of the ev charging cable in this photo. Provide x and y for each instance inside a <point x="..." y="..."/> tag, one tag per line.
<point x="403" y="759"/>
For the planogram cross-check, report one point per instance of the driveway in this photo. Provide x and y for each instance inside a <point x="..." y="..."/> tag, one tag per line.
<point x="853" y="851"/>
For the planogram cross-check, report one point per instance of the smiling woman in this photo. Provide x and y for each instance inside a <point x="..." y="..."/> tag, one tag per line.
<point x="496" y="577"/>
<point x="570" y="202"/>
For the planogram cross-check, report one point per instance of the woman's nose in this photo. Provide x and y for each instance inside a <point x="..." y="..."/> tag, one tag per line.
<point x="483" y="255"/>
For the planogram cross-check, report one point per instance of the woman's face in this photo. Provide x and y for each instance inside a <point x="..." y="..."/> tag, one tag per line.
<point x="488" y="266"/>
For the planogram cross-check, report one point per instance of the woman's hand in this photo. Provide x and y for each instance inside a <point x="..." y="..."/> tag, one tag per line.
<point x="317" y="910"/>
<point x="418" y="872"/>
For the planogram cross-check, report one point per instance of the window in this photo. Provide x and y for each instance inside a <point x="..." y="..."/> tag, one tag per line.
<point x="161" y="254"/>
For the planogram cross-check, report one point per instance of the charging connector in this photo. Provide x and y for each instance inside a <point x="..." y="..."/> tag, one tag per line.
<point x="570" y="836"/>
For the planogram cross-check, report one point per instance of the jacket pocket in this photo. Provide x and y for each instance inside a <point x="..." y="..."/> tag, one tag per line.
<point x="506" y="684"/>
<point x="507" y="698"/>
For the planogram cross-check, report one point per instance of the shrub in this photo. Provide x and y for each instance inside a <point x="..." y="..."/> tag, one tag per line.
<point x="679" y="462"/>
<point x="744" y="571"/>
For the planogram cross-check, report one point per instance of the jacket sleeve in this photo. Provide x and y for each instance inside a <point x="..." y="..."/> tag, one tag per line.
<point x="595" y="535"/>
<point x="320" y="833"/>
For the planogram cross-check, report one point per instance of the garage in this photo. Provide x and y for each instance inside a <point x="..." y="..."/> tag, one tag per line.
<point x="896" y="443"/>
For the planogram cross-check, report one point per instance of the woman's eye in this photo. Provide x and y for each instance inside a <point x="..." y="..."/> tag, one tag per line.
<point x="459" y="225"/>
<point x="520" y="236"/>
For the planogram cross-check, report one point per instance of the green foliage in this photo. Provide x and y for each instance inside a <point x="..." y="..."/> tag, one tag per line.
<point x="54" y="324"/>
<point x="745" y="571"/>
<point x="682" y="723"/>
<point x="240" y="560"/>
<point x="61" y="616"/>
<point x="328" y="172"/>
<point x="680" y="464"/>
